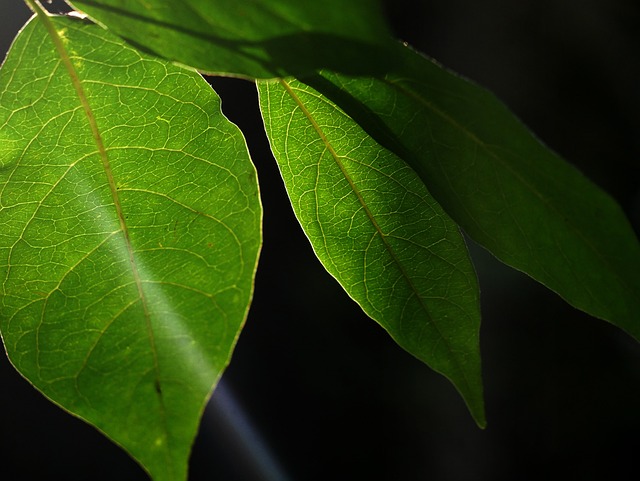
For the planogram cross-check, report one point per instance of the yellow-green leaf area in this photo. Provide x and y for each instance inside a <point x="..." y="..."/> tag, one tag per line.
<point x="130" y="234"/>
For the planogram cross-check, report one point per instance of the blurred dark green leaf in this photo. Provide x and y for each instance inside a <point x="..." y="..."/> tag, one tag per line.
<point x="257" y="39"/>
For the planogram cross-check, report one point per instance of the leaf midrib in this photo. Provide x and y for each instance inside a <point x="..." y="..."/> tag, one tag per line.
<point x="45" y="19"/>
<point x="372" y="219"/>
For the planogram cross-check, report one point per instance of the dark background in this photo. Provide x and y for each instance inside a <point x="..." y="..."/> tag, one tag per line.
<point x="325" y="394"/>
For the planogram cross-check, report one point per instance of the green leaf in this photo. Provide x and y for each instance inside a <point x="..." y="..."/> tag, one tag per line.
<point x="130" y="234"/>
<point x="376" y="229"/>
<point x="257" y="39"/>
<point x="509" y="192"/>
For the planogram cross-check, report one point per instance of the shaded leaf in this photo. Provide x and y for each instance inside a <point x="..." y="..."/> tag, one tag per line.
<point x="131" y="229"/>
<point x="376" y="229"/>
<point x="510" y="193"/>
<point x="257" y="39"/>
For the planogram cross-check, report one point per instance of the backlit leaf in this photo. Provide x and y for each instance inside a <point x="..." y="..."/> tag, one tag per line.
<point x="130" y="233"/>
<point x="376" y="229"/>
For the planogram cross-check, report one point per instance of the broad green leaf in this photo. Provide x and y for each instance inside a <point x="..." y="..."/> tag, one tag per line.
<point x="509" y="192"/>
<point x="130" y="233"/>
<point x="376" y="229"/>
<point x="257" y="39"/>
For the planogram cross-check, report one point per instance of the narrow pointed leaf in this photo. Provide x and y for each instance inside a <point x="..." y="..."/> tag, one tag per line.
<point x="130" y="232"/>
<point x="376" y="229"/>
<point x="257" y="39"/>
<point x="509" y="192"/>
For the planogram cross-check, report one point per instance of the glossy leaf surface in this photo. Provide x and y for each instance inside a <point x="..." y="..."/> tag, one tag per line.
<point x="509" y="192"/>
<point x="130" y="234"/>
<point x="376" y="229"/>
<point x="257" y="39"/>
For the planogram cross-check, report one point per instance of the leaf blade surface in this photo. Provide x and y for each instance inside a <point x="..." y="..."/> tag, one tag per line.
<point x="127" y="317"/>
<point x="377" y="230"/>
